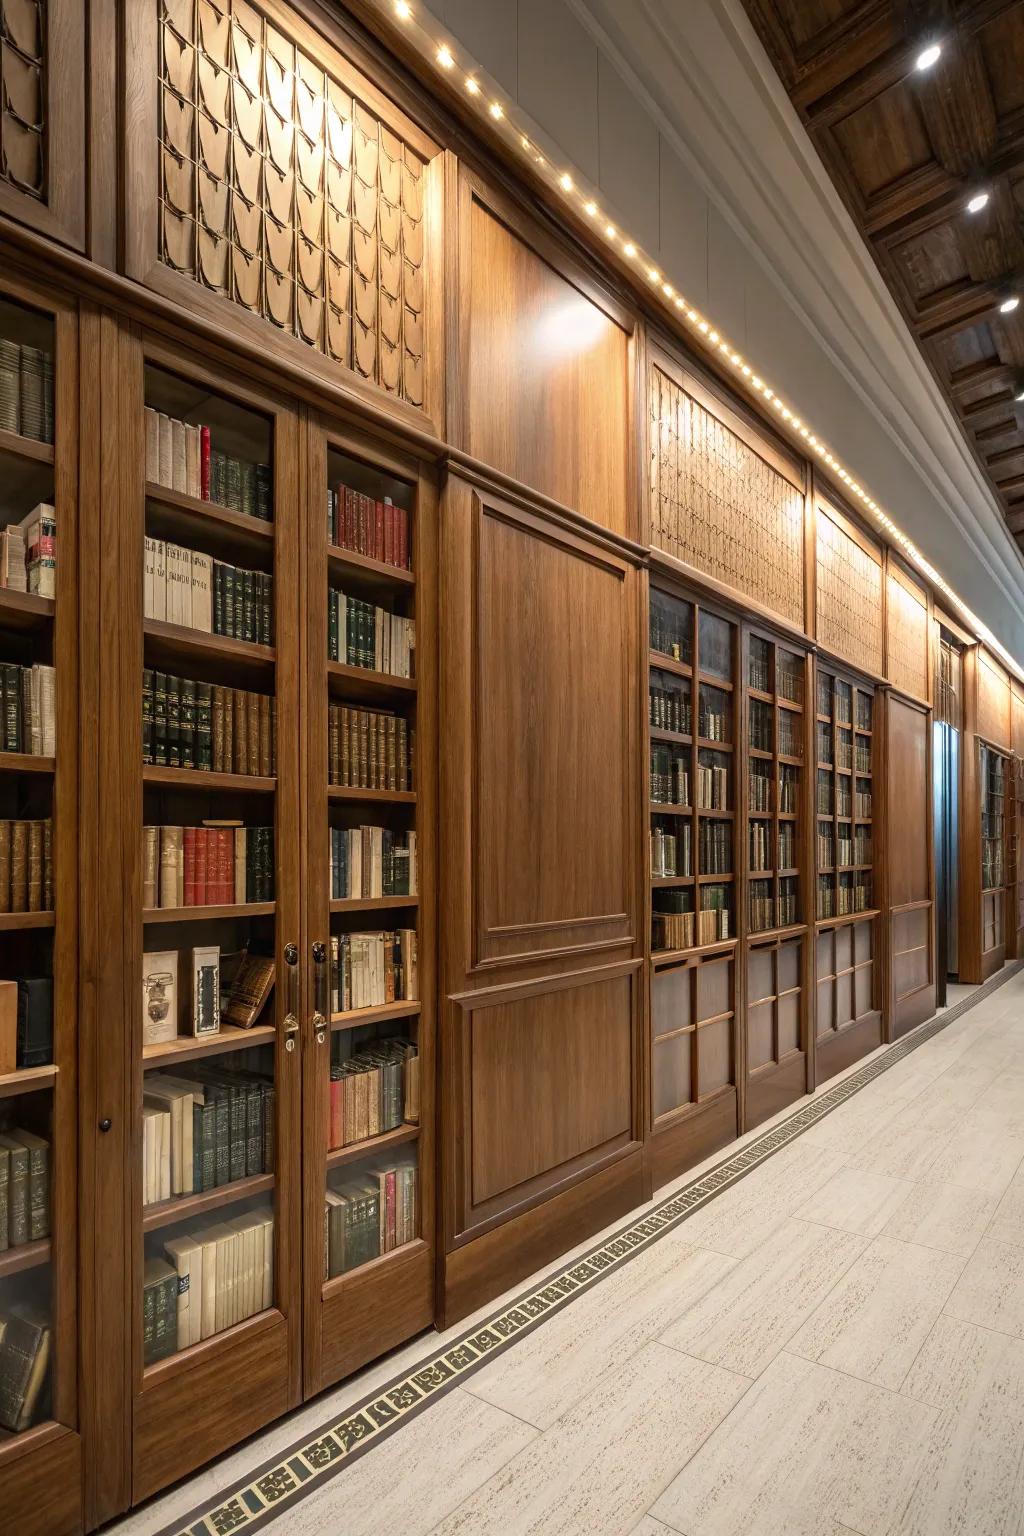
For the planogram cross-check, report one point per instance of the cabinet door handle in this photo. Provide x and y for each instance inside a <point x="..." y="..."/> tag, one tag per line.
<point x="320" y="992"/>
<point x="291" y="1018"/>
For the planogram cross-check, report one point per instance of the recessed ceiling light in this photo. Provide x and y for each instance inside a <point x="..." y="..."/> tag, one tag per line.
<point x="496" y="110"/>
<point x="403" y="10"/>
<point x="445" y="57"/>
<point x="928" y="56"/>
<point x="565" y="181"/>
<point x="1020" y="397"/>
<point x="471" y="86"/>
<point x="1008" y="306"/>
<point x="977" y="202"/>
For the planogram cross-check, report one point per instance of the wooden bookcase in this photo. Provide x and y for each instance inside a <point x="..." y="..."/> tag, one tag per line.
<point x="358" y="1309"/>
<point x="693" y="670"/>
<point x="40" y="1448"/>
<point x="1015" y="857"/>
<point x="776" y="875"/>
<point x="995" y="785"/>
<point x="848" y="1011"/>
<point x="213" y="738"/>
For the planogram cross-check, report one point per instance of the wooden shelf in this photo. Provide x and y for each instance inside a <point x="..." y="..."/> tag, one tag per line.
<point x="25" y="611"/>
<point x="361" y="683"/>
<point x="27" y="1080"/>
<point x="357" y="1150"/>
<point x="662" y="808"/>
<point x="371" y="575"/>
<point x="190" y="513"/>
<point x="760" y="874"/>
<point x="666" y="882"/>
<point x="203" y="914"/>
<point x="26" y="447"/>
<point x="185" y="1206"/>
<point x="760" y="753"/>
<point x="25" y="1256"/>
<point x="202" y="779"/>
<point x="669" y="664"/>
<point x="842" y="919"/>
<point x="704" y="810"/>
<point x="182" y="646"/>
<point x="715" y="746"/>
<point x="373" y="903"/>
<point x="370" y="1275"/>
<point x="189" y="1048"/>
<point x="681" y="738"/>
<point x="344" y="792"/>
<point x="13" y="922"/>
<point x="710" y="681"/>
<point x="762" y="935"/>
<point x="716" y="879"/>
<point x="663" y="957"/>
<point x="351" y="1018"/>
<point x="790" y="760"/>
<point x="26" y="762"/>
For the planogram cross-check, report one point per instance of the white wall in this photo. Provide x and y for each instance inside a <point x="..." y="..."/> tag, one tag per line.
<point x="672" y="110"/>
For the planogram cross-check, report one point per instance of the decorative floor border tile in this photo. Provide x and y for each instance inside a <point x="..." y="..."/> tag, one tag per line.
<point x="279" y="1483"/>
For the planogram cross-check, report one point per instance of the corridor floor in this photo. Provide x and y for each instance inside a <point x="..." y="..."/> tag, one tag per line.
<point x="833" y="1344"/>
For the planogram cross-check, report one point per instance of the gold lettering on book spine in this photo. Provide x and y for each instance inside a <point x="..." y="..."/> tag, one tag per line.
<point x="23" y="95"/>
<point x="719" y="506"/>
<point x="281" y="191"/>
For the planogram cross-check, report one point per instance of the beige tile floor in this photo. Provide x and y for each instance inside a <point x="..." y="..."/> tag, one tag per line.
<point x="834" y="1347"/>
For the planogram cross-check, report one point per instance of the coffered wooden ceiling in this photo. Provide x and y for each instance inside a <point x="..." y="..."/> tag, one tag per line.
<point x="906" y="149"/>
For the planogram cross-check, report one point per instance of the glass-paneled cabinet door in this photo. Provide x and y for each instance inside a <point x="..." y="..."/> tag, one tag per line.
<point x="216" y="908"/>
<point x="38" y="912"/>
<point x="370" y="747"/>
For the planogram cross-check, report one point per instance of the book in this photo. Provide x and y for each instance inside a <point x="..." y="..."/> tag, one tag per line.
<point x="26" y="866"/>
<point x="159" y="1311"/>
<point x="8" y="1027"/>
<point x="250" y="990"/>
<point x="25" y="1347"/>
<point x="360" y="634"/>
<point x="17" y="1190"/>
<point x="159" y="997"/>
<point x="206" y="990"/>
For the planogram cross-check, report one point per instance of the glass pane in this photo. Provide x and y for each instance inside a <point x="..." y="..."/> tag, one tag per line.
<point x="671" y="626"/>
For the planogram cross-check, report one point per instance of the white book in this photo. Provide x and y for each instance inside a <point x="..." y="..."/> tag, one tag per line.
<point x="240" y="856"/>
<point x="165" y="456"/>
<point x="152" y="446"/>
<point x="208" y="1309"/>
<point x="268" y="1262"/>
<point x="179" y="455"/>
<point x="179" y="585"/>
<point x="193" y="481"/>
<point x="202" y="593"/>
<point x="355" y="862"/>
<point x="186" y="1254"/>
<point x="156" y="549"/>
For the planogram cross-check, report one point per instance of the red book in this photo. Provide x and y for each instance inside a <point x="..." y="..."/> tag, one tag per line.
<point x="403" y="538"/>
<point x="378" y="530"/>
<point x="189" y="858"/>
<point x="204" y="462"/>
<point x="225" y="864"/>
<point x="348" y="531"/>
<point x="389" y="531"/>
<point x="388" y="1223"/>
<point x="366" y="530"/>
<point x="201" y="896"/>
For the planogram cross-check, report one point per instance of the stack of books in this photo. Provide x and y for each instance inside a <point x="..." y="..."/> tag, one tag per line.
<point x="26" y="866"/>
<point x="26" y="391"/>
<point x="367" y="748"/>
<point x="367" y="862"/>
<point x="221" y="863"/>
<point x="362" y="635"/>
<point x="369" y="970"/>
<point x="180" y="456"/>
<point x="28" y="553"/>
<point x="186" y="587"/>
<point x="209" y="1278"/>
<point x="373" y="1091"/>
<point x="378" y="529"/>
<point x="369" y="1215"/>
<point x="188" y="724"/>
<point x="27" y="709"/>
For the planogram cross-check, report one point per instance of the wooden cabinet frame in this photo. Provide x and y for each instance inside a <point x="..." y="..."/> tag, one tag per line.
<point x="60" y="213"/>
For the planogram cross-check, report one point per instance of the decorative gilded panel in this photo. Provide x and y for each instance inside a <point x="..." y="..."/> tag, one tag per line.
<point x="23" y="95"/>
<point x="280" y="190"/>
<point x="719" y="506"/>
<point x="908" y="636"/>
<point x="849" y="596"/>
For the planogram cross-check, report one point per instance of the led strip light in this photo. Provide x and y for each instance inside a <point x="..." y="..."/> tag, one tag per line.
<point x="439" y="52"/>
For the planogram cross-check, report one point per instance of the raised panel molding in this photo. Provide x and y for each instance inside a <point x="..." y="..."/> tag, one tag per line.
<point x="42" y="116"/>
<point x="907" y="634"/>
<point x="848" y="599"/>
<point x="551" y="708"/>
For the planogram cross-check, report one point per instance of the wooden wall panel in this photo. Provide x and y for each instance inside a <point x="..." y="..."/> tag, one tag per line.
<point x="1017" y="721"/>
<point x="908" y="845"/>
<point x="546" y="387"/>
<point x="907" y="634"/>
<point x="993" y="707"/>
<point x="559" y="1066"/>
<point x="719" y="505"/>
<point x="551" y="709"/>
<point x="42" y="115"/>
<point x="848" y="592"/>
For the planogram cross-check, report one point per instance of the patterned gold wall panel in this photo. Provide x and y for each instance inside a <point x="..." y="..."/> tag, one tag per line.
<point x="908" y="636"/>
<point x="282" y="192"/>
<point x="23" y="95"/>
<point x="717" y="505"/>
<point x="849" y="596"/>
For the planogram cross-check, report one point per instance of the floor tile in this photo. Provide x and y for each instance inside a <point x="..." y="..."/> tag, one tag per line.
<point x="972" y="1477"/>
<point x="875" y="1320"/>
<point x="740" y="1220"/>
<point x="806" y="1450"/>
<point x="749" y="1316"/>
<point x="855" y="1201"/>
<point x="850" y="1127"/>
<point x="541" y="1378"/>
<point x="990" y="1291"/>
<point x="980" y="1155"/>
<point x="941" y="1216"/>
<point x="1007" y="1224"/>
<point x="903" y="1149"/>
<point x="598" y="1469"/>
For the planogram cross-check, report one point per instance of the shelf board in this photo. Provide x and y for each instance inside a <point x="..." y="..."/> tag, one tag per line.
<point x="189" y="1047"/>
<point x="186" y="511"/>
<point x="783" y="703"/>
<point x="666" y="882"/>
<point x="372" y="796"/>
<point x="26" y="762"/>
<point x="760" y="693"/>
<point x="663" y="808"/>
<point x="351" y="1018"/>
<point x="361" y="683"/>
<point x="663" y="957"/>
<point x="790" y="760"/>
<point x="182" y="1207"/>
<point x="725" y="879"/>
<point x="669" y="664"/>
<point x="185" y="645"/>
<point x="681" y="738"/>
<point x="709" y="811"/>
<point x="200" y="778"/>
<point x="370" y="1274"/>
<point x="25" y="611"/>
<point x="357" y="1150"/>
<point x="27" y="1080"/>
<point x="370" y="572"/>
<point x="202" y="914"/>
<point x="715" y="746"/>
<point x="11" y="922"/>
<point x="25" y="1256"/>
<point x="715" y="682"/>
<point x="373" y="903"/>
<point x="759" y="752"/>
<point x="789" y="931"/>
<point x="26" y="447"/>
<point x="760" y="874"/>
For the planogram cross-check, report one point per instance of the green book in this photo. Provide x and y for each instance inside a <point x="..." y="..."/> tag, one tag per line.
<point x="203" y="757"/>
<point x="17" y="1191"/>
<point x="5" y="1180"/>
